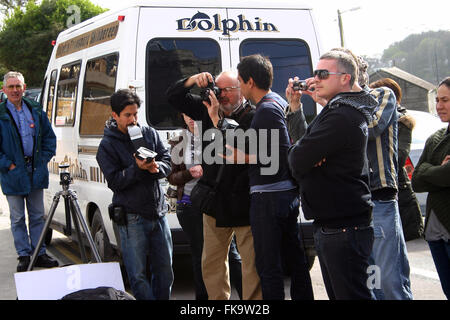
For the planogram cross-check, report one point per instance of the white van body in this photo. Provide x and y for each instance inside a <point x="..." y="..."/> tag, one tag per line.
<point x="147" y="46"/>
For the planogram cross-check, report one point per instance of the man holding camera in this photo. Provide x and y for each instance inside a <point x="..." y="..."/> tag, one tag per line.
<point x="138" y="204"/>
<point x="27" y="143"/>
<point x="330" y="164"/>
<point x="274" y="204"/>
<point x="230" y="215"/>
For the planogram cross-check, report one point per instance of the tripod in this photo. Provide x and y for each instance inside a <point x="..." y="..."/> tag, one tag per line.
<point x="72" y="209"/>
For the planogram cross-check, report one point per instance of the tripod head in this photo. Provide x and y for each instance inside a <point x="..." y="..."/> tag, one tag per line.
<point x="64" y="175"/>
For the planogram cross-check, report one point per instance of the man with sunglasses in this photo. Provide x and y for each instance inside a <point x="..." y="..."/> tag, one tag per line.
<point x="230" y="218"/>
<point x="329" y="162"/>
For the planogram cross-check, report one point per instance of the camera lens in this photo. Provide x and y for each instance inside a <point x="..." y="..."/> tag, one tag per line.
<point x="300" y="85"/>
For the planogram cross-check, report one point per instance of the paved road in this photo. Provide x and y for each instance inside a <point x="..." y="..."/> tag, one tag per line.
<point x="424" y="279"/>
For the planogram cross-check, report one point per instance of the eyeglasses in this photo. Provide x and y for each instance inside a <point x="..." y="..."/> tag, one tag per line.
<point x="323" y="74"/>
<point x="228" y="89"/>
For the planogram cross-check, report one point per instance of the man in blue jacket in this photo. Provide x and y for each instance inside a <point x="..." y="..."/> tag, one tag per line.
<point x="139" y="206"/>
<point x="27" y="143"/>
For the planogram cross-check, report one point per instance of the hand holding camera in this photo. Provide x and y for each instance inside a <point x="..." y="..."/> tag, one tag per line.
<point x="145" y="160"/>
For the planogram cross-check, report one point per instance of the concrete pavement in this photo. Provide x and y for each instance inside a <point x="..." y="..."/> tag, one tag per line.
<point x="8" y="255"/>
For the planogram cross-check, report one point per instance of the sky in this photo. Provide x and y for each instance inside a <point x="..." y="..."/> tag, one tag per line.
<point x="370" y="29"/>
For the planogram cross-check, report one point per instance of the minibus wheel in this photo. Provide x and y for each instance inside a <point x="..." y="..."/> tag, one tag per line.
<point x="100" y="237"/>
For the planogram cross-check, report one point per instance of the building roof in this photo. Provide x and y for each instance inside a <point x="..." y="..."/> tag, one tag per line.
<point x="402" y="74"/>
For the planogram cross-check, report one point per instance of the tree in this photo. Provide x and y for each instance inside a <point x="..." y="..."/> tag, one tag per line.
<point x="7" y="6"/>
<point x="26" y="36"/>
<point x="425" y="55"/>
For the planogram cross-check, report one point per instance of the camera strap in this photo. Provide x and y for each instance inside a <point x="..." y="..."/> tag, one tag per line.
<point x="219" y="176"/>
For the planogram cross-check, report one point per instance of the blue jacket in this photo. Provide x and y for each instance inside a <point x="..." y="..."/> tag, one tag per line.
<point x="137" y="190"/>
<point x="382" y="148"/>
<point x="15" y="182"/>
<point x="270" y="116"/>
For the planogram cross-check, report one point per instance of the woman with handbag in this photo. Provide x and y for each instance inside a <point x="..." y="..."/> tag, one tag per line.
<point x="185" y="176"/>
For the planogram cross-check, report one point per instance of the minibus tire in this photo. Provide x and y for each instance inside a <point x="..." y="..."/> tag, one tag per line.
<point x="100" y="237"/>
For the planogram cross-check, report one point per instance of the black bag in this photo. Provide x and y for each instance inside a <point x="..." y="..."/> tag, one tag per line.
<point x="100" y="293"/>
<point x="203" y="195"/>
<point x="410" y="213"/>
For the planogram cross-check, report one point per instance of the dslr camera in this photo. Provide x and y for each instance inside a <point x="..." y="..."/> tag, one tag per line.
<point x="300" y="85"/>
<point x="204" y="94"/>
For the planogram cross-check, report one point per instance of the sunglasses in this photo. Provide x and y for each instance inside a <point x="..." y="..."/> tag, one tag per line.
<point x="323" y="74"/>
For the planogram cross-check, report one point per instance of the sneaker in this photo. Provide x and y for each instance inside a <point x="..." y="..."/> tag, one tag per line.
<point x="44" y="261"/>
<point x="24" y="261"/>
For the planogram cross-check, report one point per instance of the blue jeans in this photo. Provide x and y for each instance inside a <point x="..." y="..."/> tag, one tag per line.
<point x="273" y="219"/>
<point x="191" y="220"/>
<point x="343" y="255"/>
<point x="440" y="250"/>
<point x="26" y="243"/>
<point x="147" y="244"/>
<point x="389" y="252"/>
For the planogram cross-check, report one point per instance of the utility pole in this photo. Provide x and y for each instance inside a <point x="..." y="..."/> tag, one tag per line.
<point x="341" y="26"/>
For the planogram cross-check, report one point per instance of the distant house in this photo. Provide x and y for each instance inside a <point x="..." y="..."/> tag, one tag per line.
<point x="418" y="94"/>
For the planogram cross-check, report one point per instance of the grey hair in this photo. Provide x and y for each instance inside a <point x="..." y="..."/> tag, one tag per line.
<point x="13" y="74"/>
<point x="363" y="76"/>
<point x="346" y="63"/>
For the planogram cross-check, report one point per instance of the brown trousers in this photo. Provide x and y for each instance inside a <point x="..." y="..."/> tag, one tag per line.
<point x="216" y="245"/>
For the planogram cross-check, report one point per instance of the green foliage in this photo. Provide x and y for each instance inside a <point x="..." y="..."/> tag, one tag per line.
<point x="7" y="6"/>
<point x="26" y="35"/>
<point x="424" y="55"/>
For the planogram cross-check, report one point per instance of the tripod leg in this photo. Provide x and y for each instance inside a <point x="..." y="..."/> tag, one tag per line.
<point x="44" y="231"/>
<point x="79" y="236"/>
<point x="77" y="210"/>
<point x="68" y="229"/>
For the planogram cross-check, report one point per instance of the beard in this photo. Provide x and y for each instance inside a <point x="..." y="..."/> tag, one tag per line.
<point x="228" y="107"/>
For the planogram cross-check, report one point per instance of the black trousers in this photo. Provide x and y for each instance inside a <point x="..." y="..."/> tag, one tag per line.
<point x="343" y="255"/>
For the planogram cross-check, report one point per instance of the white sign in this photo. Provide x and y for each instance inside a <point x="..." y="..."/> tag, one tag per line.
<point x="55" y="283"/>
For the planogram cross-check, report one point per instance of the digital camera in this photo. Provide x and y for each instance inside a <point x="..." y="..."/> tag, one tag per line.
<point x="145" y="154"/>
<point x="300" y="85"/>
<point x="204" y="94"/>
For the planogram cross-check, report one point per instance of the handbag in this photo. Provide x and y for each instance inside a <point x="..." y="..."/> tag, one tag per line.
<point x="203" y="194"/>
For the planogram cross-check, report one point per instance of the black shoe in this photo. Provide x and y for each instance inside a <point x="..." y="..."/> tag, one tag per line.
<point x="24" y="261"/>
<point x="44" y="261"/>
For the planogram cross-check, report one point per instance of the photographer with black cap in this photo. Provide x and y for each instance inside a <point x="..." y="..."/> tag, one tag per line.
<point x="230" y="213"/>
<point x="139" y="206"/>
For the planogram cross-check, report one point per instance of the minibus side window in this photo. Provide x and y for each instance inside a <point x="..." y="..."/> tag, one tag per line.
<point x="169" y="60"/>
<point x="99" y="85"/>
<point x="51" y="94"/>
<point x="67" y="94"/>
<point x="289" y="58"/>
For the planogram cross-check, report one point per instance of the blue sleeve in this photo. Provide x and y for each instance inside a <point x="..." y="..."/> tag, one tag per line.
<point x="48" y="142"/>
<point x="118" y="177"/>
<point x="386" y="109"/>
<point x="163" y="157"/>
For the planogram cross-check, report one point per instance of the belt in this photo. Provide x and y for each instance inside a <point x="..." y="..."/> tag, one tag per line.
<point x="326" y="229"/>
<point x="28" y="159"/>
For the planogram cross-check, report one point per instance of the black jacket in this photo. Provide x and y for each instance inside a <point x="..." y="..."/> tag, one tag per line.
<point x="336" y="194"/>
<point x="137" y="190"/>
<point x="233" y="198"/>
